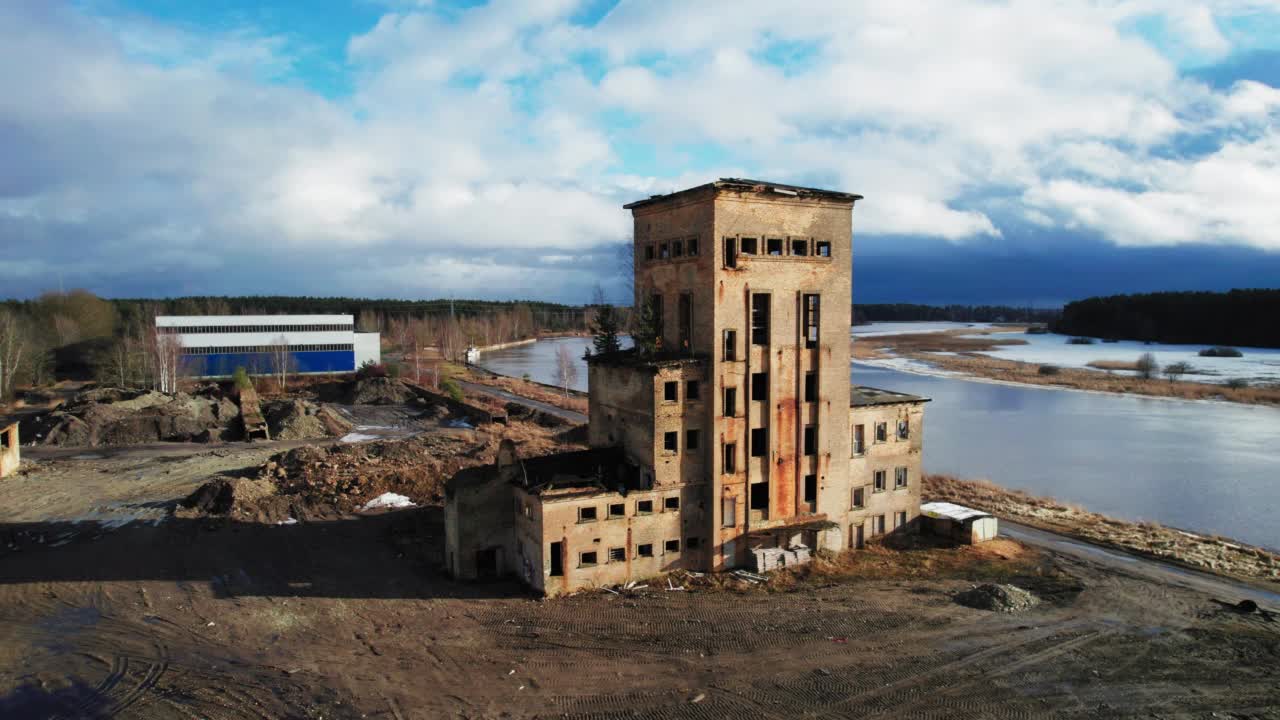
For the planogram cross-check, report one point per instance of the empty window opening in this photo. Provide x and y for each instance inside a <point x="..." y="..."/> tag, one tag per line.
<point x="878" y="480"/>
<point x="671" y="441"/>
<point x="586" y="514"/>
<point x="671" y="546"/>
<point x="877" y="525"/>
<point x="759" y="386"/>
<point x="859" y="439"/>
<point x="691" y="246"/>
<point x="685" y="319"/>
<point x="811" y="305"/>
<point x="730" y="253"/>
<point x="691" y="439"/>
<point x="728" y="512"/>
<point x="692" y="543"/>
<point x="671" y="503"/>
<point x="904" y="429"/>
<point x="859" y="498"/>
<point x="800" y="247"/>
<point x="759" y="442"/>
<point x="691" y="391"/>
<point x="822" y="248"/>
<point x="749" y="246"/>
<point x="729" y="345"/>
<point x="811" y="440"/>
<point x="730" y="402"/>
<point x="760" y="496"/>
<point x="645" y="550"/>
<point x="677" y="248"/>
<point x="730" y="462"/>
<point x="617" y="554"/>
<point x="648" y="252"/>
<point x="774" y="246"/>
<point x="587" y="559"/>
<point x="899" y="520"/>
<point x="760" y="319"/>
<point x="557" y="559"/>
<point x="644" y="507"/>
<point x="810" y="489"/>
<point x="882" y="432"/>
<point x="900" y="477"/>
<point x="810" y="387"/>
<point x="617" y="510"/>
<point x="664" y="251"/>
<point x="671" y="391"/>
<point x="659" y="321"/>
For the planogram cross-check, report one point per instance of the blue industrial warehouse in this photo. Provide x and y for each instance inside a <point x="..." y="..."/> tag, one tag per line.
<point x="215" y="345"/>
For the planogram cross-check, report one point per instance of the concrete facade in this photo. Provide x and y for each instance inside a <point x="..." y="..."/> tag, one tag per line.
<point x="744" y="418"/>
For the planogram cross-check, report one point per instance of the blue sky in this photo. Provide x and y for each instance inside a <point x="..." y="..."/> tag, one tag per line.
<point x="1020" y="152"/>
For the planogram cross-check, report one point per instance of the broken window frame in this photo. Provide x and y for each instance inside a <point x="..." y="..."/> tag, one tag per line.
<point x="859" y="439"/>
<point x="671" y="546"/>
<point x="809" y="492"/>
<point x="899" y="519"/>
<point x="858" y="499"/>
<point x="810" y="439"/>
<point x="759" y="386"/>
<point x="800" y="244"/>
<point x="671" y="391"/>
<point x="588" y="514"/>
<point x="750" y="246"/>
<point x="671" y="504"/>
<point x="729" y="459"/>
<point x="691" y="247"/>
<point x="729" y="512"/>
<point x="671" y="442"/>
<point x="617" y="554"/>
<point x="677" y="248"/>
<point x="759" y="499"/>
<point x="759" y="442"/>
<point x="774" y="247"/>
<point x="730" y="248"/>
<point x="644" y="550"/>
<point x="761" y="311"/>
<point x="730" y="403"/>
<point x="811" y="311"/>
<point x="684" y="318"/>
<point x="649" y="253"/>
<point x="729" y="346"/>
<point x="811" y="387"/>
<point x="879" y="481"/>
<point x="621" y="510"/>
<point x="664" y="251"/>
<point x="882" y="432"/>
<point x="901" y="476"/>
<point x="556" y="559"/>
<point x="644" y="507"/>
<point x="904" y="429"/>
<point x="583" y="562"/>
<point x="822" y="248"/>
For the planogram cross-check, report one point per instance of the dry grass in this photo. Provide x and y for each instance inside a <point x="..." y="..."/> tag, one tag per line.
<point x="1075" y="378"/>
<point x="1113" y="364"/>
<point x="527" y="389"/>
<point x="1211" y="553"/>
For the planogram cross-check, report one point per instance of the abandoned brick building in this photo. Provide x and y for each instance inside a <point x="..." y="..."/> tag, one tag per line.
<point x="743" y="432"/>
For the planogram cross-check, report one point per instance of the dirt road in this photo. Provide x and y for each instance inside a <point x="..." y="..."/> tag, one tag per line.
<point x="576" y="418"/>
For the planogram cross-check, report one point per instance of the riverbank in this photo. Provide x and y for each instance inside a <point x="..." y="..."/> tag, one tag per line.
<point x="1209" y="553"/>
<point x="572" y="400"/>
<point x="955" y="352"/>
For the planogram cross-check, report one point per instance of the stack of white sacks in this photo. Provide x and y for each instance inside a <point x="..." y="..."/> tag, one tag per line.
<point x="766" y="559"/>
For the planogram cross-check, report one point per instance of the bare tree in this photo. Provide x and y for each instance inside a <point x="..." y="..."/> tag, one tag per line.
<point x="281" y="361"/>
<point x="13" y="341"/>
<point x="1173" y="371"/>
<point x="167" y="352"/>
<point x="1147" y="366"/>
<point x="566" y="369"/>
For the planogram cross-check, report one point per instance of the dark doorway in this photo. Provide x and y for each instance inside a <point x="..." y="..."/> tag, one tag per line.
<point x="487" y="563"/>
<point x="557" y="559"/>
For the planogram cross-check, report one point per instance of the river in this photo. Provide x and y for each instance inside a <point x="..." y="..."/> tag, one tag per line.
<point x="1208" y="467"/>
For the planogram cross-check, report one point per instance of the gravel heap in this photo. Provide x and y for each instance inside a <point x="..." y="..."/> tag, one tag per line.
<point x="998" y="598"/>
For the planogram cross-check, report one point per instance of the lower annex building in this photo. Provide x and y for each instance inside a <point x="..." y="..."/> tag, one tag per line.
<point x="741" y="431"/>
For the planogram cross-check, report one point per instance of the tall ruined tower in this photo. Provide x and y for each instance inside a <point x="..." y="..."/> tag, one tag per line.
<point x="745" y="410"/>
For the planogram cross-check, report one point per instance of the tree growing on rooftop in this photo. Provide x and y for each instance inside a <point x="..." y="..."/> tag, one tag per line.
<point x="605" y="326"/>
<point x="646" y="328"/>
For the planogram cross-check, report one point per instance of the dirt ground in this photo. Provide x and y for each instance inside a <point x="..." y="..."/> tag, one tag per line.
<point x="350" y="618"/>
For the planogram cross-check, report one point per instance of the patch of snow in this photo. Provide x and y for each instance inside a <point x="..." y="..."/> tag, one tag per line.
<point x="356" y="437"/>
<point x="289" y="521"/>
<point x="388" y="500"/>
<point x="459" y="423"/>
<point x="909" y="365"/>
<point x="878" y="329"/>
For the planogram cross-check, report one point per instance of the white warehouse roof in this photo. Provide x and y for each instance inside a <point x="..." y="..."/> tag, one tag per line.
<point x="200" y="320"/>
<point x="951" y="511"/>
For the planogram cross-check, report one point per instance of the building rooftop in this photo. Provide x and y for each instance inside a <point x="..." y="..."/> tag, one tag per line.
<point x="573" y="473"/>
<point x="861" y="395"/>
<point x="746" y="185"/>
<point x="631" y="357"/>
<point x="951" y="511"/>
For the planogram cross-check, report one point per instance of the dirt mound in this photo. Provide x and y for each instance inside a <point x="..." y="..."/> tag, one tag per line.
<point x="253" y="499"/>
<point x="379" y="391"/>
<point x="112" y="416"/>
<point x="998" y="598"/>
<point x="303" y="420"/>
<point x="516" y="411"/>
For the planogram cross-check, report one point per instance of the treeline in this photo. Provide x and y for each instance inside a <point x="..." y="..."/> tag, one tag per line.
<point x="77" y="335"/>
<point x="908" y="312"/>
<point x="1238" y="317"/>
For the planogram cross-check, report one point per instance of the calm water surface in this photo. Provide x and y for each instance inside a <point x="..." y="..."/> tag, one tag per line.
<point x="1210" y="467"/>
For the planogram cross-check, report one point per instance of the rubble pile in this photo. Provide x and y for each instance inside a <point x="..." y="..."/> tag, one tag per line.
<point x="303" y="420"/>
<point x="379" y="391"/>
<point x="112" y="416"/>
<point x="516" y="411"/>
<point x="998" y="598"/>
<point x="769" y="559"/>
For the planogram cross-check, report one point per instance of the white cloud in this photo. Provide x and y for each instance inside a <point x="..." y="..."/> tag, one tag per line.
<point x="132" y="145"/>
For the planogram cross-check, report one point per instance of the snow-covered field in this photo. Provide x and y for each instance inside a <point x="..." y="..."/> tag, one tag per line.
<point x="876" y="329"/>
<point x="1259" y="365"/>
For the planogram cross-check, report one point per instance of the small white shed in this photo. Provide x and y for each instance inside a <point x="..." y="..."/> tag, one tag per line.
<point x="962" y="524"/>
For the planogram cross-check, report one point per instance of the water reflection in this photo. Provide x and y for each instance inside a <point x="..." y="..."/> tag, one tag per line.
<point x="1203" y="466"/>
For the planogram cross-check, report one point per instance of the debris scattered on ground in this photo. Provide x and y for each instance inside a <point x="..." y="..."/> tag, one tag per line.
<point x="113" y="416"/>
<point x="303" y="420"/>
<point x="998" y="598"/>
<point x="388" y="500"/>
